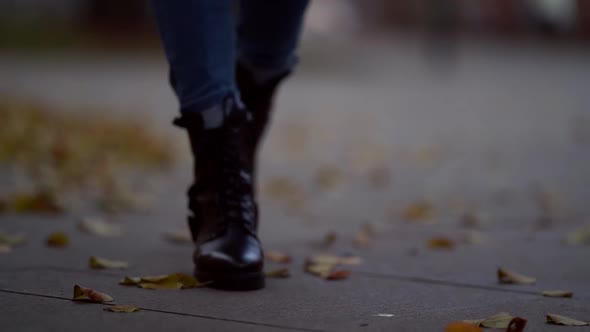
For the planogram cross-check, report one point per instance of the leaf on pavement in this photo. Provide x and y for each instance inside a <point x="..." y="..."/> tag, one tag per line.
<point x="278" y="273"/>
<point x="557" y="293"/>
<point x="90" y="295"/>
<point x="498" y="321"/>
<point x="517" y="324"/>
<point x="99" y="227"/>
<point x="34" y="202"/>
<point x="276" y="256"/>
<point x="103" y="263"/>
<point x="182" y="236"/>
<point x="441" y="242"/>
<point x="12" y="240"/>
<point x="326" y="266"/>
<point x="167" y="281"/>
<point x="337" y="275"/>
<point x="509" y="277"/>
<point x="58" y="240"/>
<point x="329" y="178"/>
<point x="462" y="327"/>
<point x="563" y="320"/>
<point x="418" y="211"/>
<point x="121" y="308"/>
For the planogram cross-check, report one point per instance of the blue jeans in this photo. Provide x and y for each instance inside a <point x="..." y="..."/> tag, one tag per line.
<point x="203" y="39"/>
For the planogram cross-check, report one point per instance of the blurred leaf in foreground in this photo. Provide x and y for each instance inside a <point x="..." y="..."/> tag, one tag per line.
<point x="121" y="308"/>
<point x="102" y="263"/>
<point x="90" y="295"/>
<point x="167" y="281"/>
<point x="99" y="227"/>
<point x="563" y="320"/>
<point x="58" y="240"/>
<point x="510" y="277"/>
<point x="557" y="293"/>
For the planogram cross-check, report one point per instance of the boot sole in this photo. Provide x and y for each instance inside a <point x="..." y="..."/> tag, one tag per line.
<point x="234" y="281"/>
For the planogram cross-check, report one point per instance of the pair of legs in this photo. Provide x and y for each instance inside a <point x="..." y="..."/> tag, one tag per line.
<point x="226" y="60"/>
<point x="203" y="40"/>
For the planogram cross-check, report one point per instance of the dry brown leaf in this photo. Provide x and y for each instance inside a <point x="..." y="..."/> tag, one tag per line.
<point x="563" y="320"/>
<point x="278" y="273"/>
<point x="121" y="308"/>
<point x="418" y="211"/>
<point x="557" y="293"/>
<point x="167" y="281"/>
<point x="102" y="263"/>
<point x="87" y="294"/>
<point x="179" y="237"/>
<point x="498" y="321"/>
<point x="12" y="240"/>
<point x="58" y="240"/>
<point x="337" y="275"/>
<point x="42" y="201"/>
<point x="441" y="242"/>
<point x="462" y="327"/>
<point x="510" y="277"/>
<point x="99" y="227"/>
<point x="276" y="256"/>
<point x="329" y="178"/>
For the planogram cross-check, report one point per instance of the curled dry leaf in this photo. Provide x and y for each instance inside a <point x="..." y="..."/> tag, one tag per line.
<point x="441" y="242"/>
<point x="563" y="320"/>
<point x="510" y="277"/>
<point x="557" y="293"/>
<point x="102" y="263"/>
<point x="282" y="273"/>
<point x="12" y="240"/>
<point x="498" y="321"/>
<point x="418" y="211"/>
<point x="121" y="308"/>
<point x="58" y="240"/>
<point x="325" y="266"/>
<point x="329" y="178"/>
<point x="462" y="327"/>
<point x="179" y="237"/>
<point x="276" y="256"/>
<point x="99" y="227"/>
<point x="167" y="281"/>
<point x="90" y="295"/>
<point x="517" y="324"/>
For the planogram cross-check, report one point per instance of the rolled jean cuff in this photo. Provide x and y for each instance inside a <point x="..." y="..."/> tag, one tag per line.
<point x="206" y="102"/>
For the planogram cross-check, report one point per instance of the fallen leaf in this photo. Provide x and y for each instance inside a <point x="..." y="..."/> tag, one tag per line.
<point x="167" y="281"/>
<point x="99" y="227"/>
<point x="12" y="240"/>
<point x="498" y="321"/>
<point x="102" y="263"/>
<point x="509" y="277"/>
<point x="4" y="249"/>
<point x="87" y="294"/>
<point x="276" y="256"/>
<point x="278" y="273"/>
<point x="418" y="211"/>
<point x="121" y="308"/>
<point x="563" y="320"/>
<point x="441" y="242"/>
<point x="329" y="178"/>
<point x="179" y="237"/>
<point x="384" y="315"/>
<point x="557" y="293"/>
<point x="462" y="327"/>
<point x="42" y="201"/>
<point x="337" y="275"/>
<point x="58" y="239"/>
<point x="578" y="237"/>
<point x="517" y="324"/>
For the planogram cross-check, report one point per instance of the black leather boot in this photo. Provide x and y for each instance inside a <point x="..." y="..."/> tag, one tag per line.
<point x="224" y="211"/>
<point x="258" y="98"/>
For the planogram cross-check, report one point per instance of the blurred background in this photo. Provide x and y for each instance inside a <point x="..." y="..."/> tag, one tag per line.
<point x="471" y="105"/>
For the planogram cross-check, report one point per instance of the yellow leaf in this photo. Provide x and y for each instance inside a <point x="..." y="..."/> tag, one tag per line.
<point x="563" y="320"/>
<point x="179" y="237"/>
<point x="99" y="227"/>
<point x="102" y="263"/>
<point x="58" y="239"/>
<point x="418" y="211"/>
<point x="278" y="273"/>
<point x="130" y="281"/>
<point x="509" y="277"/>
<point x="276" y="256"/>
<point x="87" y="294"/>
<point x="167" y="281"/>
<point x="557" y="293"/>
<point x="462" y="327"/>
<point x="441" y="242"/>
<point x="121" y="308"/>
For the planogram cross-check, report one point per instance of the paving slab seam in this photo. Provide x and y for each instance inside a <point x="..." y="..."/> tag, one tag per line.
<point x="61" y="298"/>
<point x="422" y="280"/>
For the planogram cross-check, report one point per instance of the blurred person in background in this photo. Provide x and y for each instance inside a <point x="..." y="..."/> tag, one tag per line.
<point x="226" y="62"/>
